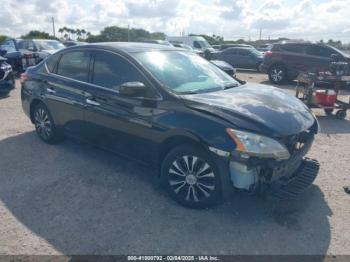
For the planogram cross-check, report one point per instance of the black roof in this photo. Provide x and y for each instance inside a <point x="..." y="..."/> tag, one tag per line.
<point x="129" y="47"/>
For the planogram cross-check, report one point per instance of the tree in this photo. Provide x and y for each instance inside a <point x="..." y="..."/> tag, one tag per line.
<point x="158" y="35"/>
<point x="3" y="38"/>
<point x="123" y="34"/>
<point x="83" y="32"/>
<point x="34" y="34"/>
<point x="61" y="31"/>
<point x="78" y="32"/>
<point x="110" y="34"/>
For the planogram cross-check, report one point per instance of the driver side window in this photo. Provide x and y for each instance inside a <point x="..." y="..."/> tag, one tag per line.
<point x="111" y="71"/>
<point x="230" y="51"/>
<point x="196" y="45"/>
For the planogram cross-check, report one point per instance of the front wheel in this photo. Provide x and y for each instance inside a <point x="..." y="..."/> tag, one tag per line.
<point x="191" y="177"/>
<point x="277" y="74"/>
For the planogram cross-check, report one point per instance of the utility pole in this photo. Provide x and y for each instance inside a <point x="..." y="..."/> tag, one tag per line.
<point x="53" y="26"/>
<point x="260" y="33"/>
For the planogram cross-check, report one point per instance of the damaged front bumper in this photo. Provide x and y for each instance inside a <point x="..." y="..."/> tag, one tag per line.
<point x="298" y="182"/>
<point x="283" y="179"/>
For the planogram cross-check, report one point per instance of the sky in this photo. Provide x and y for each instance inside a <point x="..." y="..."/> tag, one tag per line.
<point x="307" y="19"/>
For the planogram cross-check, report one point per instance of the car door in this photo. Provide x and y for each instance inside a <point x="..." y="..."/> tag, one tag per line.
<point x="116" y="122"/>
<point x="294" y="58"/>
<point x="245" y="58"/>
<point x="64" y="89"/>
<point x="229" y="55"/>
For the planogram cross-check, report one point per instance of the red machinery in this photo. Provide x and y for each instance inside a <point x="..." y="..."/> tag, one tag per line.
<point x="325" y="97"/>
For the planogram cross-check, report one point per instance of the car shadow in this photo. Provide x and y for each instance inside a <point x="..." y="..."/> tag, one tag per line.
<point x="83" y="200"/>
<point x="290" y="85"/>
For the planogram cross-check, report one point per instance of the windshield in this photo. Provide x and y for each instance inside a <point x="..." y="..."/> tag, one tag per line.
<point x="201" y="44"/>
<point x="49" y="45"/>
<point x="339" y="51"/>
<point x="185" y="72"/>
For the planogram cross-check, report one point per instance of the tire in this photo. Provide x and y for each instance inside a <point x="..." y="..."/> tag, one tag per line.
<point x="328" y="111"/>
<point x="44" y="125"/>
<point x="191" y="177"/>
<point x="258" y="67"/>
<point x="341" y="114"/>
<point x="278" y="74"/>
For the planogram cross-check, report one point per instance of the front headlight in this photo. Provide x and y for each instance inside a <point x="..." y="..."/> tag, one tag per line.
<point x="258" y="145"/>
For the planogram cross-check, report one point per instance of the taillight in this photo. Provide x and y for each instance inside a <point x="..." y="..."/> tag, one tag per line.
<point x="24" y="77"/>
<point x="268" y="53"/>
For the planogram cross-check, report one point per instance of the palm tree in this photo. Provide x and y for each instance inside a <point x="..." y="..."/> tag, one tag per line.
<point x="84" y="33"/>
<point x="65" y="30"/>
<point x="78" y="31"/>
<point x="60" y="31"/>
<point x="70" y="32"/>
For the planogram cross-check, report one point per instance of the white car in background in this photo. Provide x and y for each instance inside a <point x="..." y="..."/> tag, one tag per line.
<point x="196" y="42"/>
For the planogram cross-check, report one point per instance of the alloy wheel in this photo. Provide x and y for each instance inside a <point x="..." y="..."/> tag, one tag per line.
<point x="191" y="178"/>
<point x="42" y="123"/>
<point x="276" y="74"/>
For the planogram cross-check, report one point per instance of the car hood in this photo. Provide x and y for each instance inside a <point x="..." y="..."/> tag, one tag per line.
<point x="258" y="108"/>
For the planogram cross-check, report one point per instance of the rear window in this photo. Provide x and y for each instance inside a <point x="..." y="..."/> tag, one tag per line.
<point x="75" y="65"/>
<point x="51" y="62"/>
<point x="320" y="51"/>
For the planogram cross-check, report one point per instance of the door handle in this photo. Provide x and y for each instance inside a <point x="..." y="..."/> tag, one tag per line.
<point x="50" y="90"/>
<point x="92" y="102"/>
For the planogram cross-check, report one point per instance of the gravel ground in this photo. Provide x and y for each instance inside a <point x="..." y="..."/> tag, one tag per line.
<point x="72" y="198"/>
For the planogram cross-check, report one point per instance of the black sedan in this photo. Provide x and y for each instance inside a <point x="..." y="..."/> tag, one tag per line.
<point x="202" y="131"/>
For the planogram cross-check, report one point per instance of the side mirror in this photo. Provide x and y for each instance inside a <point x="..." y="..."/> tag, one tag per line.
<point x="132" y="89"/>
<point x="3" y="52"/>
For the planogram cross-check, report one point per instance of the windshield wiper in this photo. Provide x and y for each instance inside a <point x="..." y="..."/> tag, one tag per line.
<point x="230" y="86"/>
<point x="190" y="92"/>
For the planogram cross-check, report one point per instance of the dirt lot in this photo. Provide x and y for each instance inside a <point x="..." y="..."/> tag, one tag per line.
<point x="75" y="199"/>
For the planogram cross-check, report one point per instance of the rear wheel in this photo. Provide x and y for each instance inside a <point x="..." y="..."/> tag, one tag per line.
<point x="341" y="114"/>
<point x="277" y="74"/>
<point x="44" y="124"/>
<point x="191" y="177"/>
<point x="259" y="67"/>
